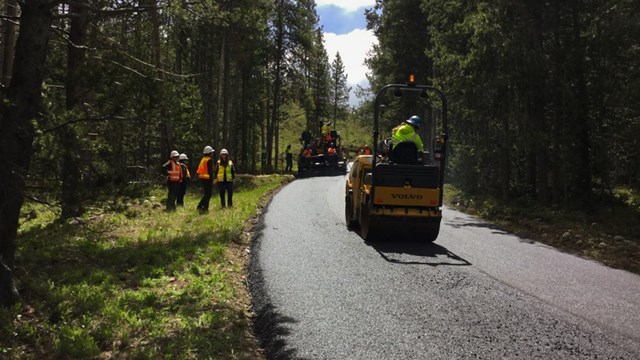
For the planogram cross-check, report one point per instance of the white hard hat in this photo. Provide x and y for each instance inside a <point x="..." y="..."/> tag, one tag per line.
<point x="175" y="153"/>
<point x="183" y="157"/>
<point x="207" y="150"/>
<point x="224" y="152"/>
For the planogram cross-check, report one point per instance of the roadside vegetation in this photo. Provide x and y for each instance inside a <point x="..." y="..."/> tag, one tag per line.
<point x="607" y="231"/>
<point x="129" y="280"/>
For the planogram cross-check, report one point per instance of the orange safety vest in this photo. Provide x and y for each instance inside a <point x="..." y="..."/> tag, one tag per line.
<point x="306" y="153"/>
<point x="203" y="172"/>
<point x="331" y="150"/>
<point x="174" y="172"/>
<point x="367" y="151"/>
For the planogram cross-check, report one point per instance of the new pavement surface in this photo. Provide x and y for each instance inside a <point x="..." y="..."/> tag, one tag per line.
<point x="321" y="292"/>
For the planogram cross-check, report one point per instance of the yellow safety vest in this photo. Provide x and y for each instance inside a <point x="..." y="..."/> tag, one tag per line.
<point x="186" y="170"/>
<point x="224" y="169"/>
<point x="406" y="132"/>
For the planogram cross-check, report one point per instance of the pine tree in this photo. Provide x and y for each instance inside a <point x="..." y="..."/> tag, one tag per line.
<point x="339" y="90"/>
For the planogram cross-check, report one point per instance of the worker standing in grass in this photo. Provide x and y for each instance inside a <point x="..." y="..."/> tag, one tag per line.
<point x="225" y="172"/>
<point x="174" y="177"/>
<point x="408" y="131"/>
<point x="186" y="177"/>
<point x="289" y="158"/>
<point x="205" y="174"/>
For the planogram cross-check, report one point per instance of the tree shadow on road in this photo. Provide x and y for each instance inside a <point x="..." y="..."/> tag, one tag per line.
<point x="412" y="252"/>
<point x="459" y="222"/>
<point x="271" y="328"/>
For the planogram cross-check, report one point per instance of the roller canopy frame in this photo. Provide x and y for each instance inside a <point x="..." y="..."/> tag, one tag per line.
<point x="376" y="133"/>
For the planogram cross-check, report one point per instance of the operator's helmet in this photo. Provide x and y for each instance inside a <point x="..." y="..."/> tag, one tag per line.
<point x="308" y="146"/>
<point x="414" y="121"/>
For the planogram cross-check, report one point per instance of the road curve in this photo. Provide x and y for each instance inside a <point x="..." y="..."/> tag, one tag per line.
<point x="321" y="292"/>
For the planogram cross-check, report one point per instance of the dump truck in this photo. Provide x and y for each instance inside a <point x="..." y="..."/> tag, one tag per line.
<point x="322" y="155"/>
<point x="398" y="190"/>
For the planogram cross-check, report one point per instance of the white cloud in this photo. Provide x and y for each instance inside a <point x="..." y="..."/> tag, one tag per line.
<point x="353" y="48"/>
<point x="349" y="5"/>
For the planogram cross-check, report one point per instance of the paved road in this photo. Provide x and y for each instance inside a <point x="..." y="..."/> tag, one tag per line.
<point x="321" y="292"/>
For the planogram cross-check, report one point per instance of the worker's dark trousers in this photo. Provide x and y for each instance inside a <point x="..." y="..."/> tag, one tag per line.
<point x="207" y="188"/>
<point x="172" y="195"/>
<point x="226" y="186"/>
<point x="181" y="191"/>
<point x="289" y="163"/>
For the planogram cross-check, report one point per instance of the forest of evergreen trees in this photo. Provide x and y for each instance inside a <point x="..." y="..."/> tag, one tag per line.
<point x="96" y="93"/>
<point x="544" y="96"/>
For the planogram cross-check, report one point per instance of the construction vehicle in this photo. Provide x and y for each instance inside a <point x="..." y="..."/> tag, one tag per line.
<point x="398" y="189"/>
<point x="322" y="155"/>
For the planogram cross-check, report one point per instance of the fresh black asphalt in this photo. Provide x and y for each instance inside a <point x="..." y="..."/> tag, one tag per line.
<point x="321" y="292"/>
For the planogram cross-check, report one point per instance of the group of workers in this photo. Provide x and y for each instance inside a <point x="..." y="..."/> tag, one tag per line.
<point x="209" y="171"/>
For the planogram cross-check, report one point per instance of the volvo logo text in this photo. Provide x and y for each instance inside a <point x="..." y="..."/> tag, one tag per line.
<point x="407" y="196"/>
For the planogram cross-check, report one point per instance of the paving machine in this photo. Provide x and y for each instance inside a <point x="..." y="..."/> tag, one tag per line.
<point x="323" y="155"/>
<point x="398" y="190"/>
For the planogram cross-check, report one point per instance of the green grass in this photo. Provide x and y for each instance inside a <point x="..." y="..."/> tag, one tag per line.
<point x="608" y="232"/>
<point x="135" y="282"/>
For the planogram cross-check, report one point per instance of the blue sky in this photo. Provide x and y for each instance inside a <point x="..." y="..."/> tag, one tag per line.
<point x="345" y="31"/>
<point x="339" y="21"/>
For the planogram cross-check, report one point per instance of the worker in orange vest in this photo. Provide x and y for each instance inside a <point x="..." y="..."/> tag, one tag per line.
<point x="206" y="176"/>
<point x="174" y="178"/>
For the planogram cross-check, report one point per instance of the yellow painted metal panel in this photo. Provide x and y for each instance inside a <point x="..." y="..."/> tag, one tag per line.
<point x="406" y="196"/>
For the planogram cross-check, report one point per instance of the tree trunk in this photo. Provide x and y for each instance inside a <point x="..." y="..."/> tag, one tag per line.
<point x="505" y="157"/>
<point x="219" y="94"/>
<point x="8" y="43"/>
<point x="244" y="120"/>
<point x="226" y="94"/>
<point x="165" y="125"/>
<point x="583" y="157"/>
<point x="71" y="176"/>
<point x="277" y="83"/>
<point x="558" y="113"/>
<point x="16" y="131"/>
<point x="538" y="104"/>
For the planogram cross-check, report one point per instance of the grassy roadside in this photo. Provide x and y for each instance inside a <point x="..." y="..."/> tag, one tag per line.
<point x="129" y="280"/>
<point x="608" y="233"/>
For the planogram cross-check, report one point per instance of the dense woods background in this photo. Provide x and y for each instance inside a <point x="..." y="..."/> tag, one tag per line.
<point x="101" y="91"/>
<point x="544" y="96"/>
